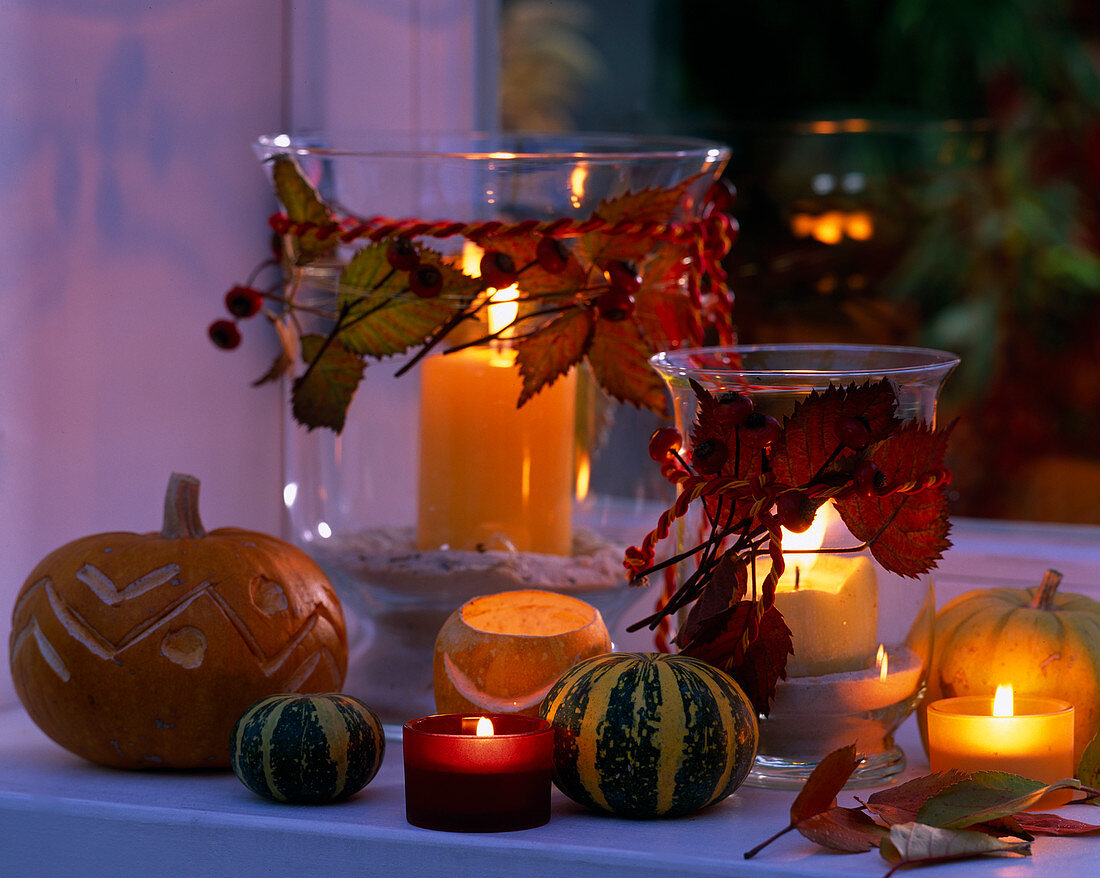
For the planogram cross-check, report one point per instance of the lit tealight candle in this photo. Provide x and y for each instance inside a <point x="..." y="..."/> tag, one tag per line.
<point x="477" y="774"/>
<point x="830" y="603"/>
<point x="1025" y="735"/>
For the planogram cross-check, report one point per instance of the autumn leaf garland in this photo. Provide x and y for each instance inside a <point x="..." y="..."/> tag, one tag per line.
<point x="753" y="476"/>
<point x="610" y="291"/>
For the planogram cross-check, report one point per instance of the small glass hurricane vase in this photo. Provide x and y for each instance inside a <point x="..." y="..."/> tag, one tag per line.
<point x="438" y="488"/>
<point x="862" y="636"/>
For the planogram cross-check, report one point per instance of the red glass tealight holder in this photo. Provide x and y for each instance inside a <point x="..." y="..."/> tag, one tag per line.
<point x="460" y="780"/>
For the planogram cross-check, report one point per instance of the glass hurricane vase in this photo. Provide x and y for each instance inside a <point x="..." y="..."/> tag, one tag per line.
<point x="862" y="636"/>
<point x="437" y="488"/>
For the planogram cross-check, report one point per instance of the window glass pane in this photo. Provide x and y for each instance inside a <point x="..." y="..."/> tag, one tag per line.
<point x="864" y="215"/>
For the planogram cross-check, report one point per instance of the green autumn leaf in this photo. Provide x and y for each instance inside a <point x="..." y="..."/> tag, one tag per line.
<point x="984" y="796"/>
<point x="915" y="843"/>
<point x="900" y="804"/>
<point x="381" y="317"/>
<point x="1088" y="771"/>
<point x="553" y="350"/>
<point x="322" y="394"/>
<point x="302" y="203"/>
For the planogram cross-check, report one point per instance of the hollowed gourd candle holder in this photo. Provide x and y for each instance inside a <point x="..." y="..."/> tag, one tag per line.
<point x="501" y="653"/>
<point x="861" y="634"/>
<point x="489" y="301"/>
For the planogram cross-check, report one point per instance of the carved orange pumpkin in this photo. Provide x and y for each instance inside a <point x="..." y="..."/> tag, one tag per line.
<point x="501" y="653"/>
<point x="142" y="650"/>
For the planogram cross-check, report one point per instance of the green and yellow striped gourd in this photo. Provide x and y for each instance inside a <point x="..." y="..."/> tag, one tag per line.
<point x="649" y="735"/>
<point x="307" y="748"/>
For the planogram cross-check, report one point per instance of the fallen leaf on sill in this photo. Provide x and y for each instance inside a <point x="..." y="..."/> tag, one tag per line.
<point x="912" y="844"/>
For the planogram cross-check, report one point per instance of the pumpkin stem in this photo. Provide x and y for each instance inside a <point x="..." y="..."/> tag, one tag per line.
<point x="181" y="509"/>
<point x="1044" y="597"/>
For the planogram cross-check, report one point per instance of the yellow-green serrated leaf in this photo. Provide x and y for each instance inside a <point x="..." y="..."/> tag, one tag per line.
<point x="619" y="358"/>
<point x="1088" y="771"/>
<point x="302" y="203"/>
<point x="299" y="198"/>
<point x="382" y="317"/>
<point x="984" y="796"/>
<point x="553" y="350"/>
<point x="913" y="843"/>
<point x="322" y="394"/>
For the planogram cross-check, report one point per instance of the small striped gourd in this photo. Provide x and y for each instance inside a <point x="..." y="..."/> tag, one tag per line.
<point x="649" y="735"/>
<point x="307" y="748"/>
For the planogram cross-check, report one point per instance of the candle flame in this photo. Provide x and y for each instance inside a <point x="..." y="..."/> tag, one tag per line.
<point x="799" y="549"/>
<point x="503" y="307"/>
<point x="577" y="184"/>
<point x="882" y="660"/>
<point x="1002" y="701"/>
<point x="583" y="474"/>
<point x="484" y="727"/>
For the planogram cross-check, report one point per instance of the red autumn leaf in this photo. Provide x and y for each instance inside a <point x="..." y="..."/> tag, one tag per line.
<point x="849" y="830"/>
<point x="824" y="783"/>
<point x="663" y="308"/>
<point x="655" y="205"/>
<point x="619" y="359"/>
<point x="1052" y="824"/>
<point x="808" y="439"/>
<point x="714" y="423"/>
<point x="553" y="350"/>
<point x="819" y="793"/>
<point x="534" y="280"/>
<point x="900" y="804"/>
<point x="749" y="644"/>
<point x="727" y="586"/>
<point x="907" y="533"/>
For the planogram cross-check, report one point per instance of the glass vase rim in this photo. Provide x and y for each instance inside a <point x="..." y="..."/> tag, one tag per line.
<point x="910" y="360"/>
<point x="431" y="726"/>
<point x="486" y="145"/>
<point x="977" y="705"/>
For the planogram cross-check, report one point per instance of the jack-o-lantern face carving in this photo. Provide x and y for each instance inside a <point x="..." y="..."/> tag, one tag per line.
<point x="501" y="653"/>
<point x="142" y="650"/>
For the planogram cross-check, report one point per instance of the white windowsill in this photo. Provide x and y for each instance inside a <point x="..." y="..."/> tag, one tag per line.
<point x="61" y="816"/>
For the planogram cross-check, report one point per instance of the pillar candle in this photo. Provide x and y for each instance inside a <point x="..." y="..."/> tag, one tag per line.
<point x="832" y="614"/>
<point x="491" y="474"/>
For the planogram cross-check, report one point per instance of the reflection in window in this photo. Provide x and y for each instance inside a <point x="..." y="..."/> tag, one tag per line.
<point x="864" y="215"/>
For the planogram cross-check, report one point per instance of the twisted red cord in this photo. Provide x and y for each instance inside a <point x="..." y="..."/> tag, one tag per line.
<point x="711" y="236"/>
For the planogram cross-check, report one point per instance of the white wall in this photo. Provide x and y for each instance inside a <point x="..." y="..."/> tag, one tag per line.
<point x="130" y="200"/>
